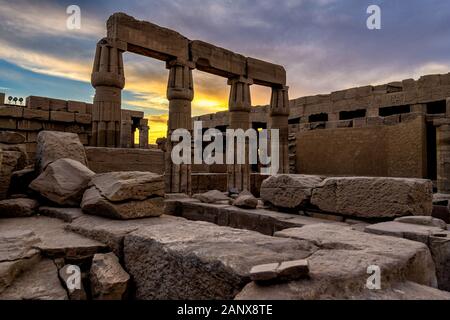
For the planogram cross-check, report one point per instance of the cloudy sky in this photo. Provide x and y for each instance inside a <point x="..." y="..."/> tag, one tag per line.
<point x="323" y="44"/>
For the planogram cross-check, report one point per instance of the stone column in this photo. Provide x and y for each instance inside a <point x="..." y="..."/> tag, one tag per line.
<point x="239" y="118"/>
<point x="108" y="80"/>
<point x="180" y="93"/>
<point x="126" y="134"/>
<point x="443" y="156"/>
<point x="279" y="119"/>
<point x="143" y="134"/>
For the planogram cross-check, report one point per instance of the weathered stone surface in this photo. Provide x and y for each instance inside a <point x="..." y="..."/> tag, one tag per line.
<point x="289" y="190"/>
<point x="63" y="182"/>
<point x="18" y="208"/>
<point x="112" y="232"/>
<point x="212" y="196"/>
<point x="94" y="203"/>
<point x="246" y="200"/>
<point x="11" y="137"/>
<point x="436" y="238"/>
<point x="296" y="291"/>
<point x="53" y="145"/>
<point x="263" y="221"/>
<point x="40" y="283"/>
<point x="423" y="221"/>
<point x="339" y="268"/>
<point x="17" y="254"/>
<point x="199" y="260"/>
<point x="374" y="197"/>
<point x="75" y="288"/>
<point x="108" y="279"/>
<point x="121" y="186"/>
<point x="65" y="214"/>
<point x="265" y="73"/>
<point x="55" y="242"/>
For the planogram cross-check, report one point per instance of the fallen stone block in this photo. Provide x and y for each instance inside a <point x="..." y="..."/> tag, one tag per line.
<point x="246" y="200"/>
<point x="18" y="208"/>
<point x="63" y="182"/>
<point x="108" y="279"/>
<point x="55" y="241"/>
<point x="40" y="283"/>
<point x="53" y="145"/>
<point x="213" y="196"/>
<point x="94" y="203"/>
<point x="289" y="190"/>
<point x="366" y="197"/>
<point x="112" y="232"/>
<point x="199" y="260"/>
<point x="74" y="286"/>
<point x="11" y="161"/>
<point x="339" y="269"/>
<point x="436" y="238"/>
<point x="121" y="186"/>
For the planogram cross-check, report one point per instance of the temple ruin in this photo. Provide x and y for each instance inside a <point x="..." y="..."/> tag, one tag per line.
<point x="363" y="187"/>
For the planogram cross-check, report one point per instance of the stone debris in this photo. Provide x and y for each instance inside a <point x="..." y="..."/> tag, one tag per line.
<point x="289" y="190"/>
<point x="366" y="197"/>
<point x="125" y="186"/>
<point x="213" y="196"/>
<point x="11" y="161"/>
<point x="284" y="271"/>
<point x="108" y="279"/>
<point x="20" y="207"/>
<point x="246" y="200"/>
<point x="63" y="182"/>
<point x="74" y="287"/>
<point x="54" y="145"/>
<point x="94" y="203"/>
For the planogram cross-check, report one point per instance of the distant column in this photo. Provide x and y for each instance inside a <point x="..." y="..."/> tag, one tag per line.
<point x="126" y="134"/>
<point x="443" y="157"/>
<point x="108" y="80"/>
<point x="239" y="118"/>
<point x="279" y="119"/>
<point x="143" y="134"/>
<point x="180" y="93"/>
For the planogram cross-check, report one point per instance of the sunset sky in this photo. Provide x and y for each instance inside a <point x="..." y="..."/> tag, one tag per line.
<point x="323" y="44"/>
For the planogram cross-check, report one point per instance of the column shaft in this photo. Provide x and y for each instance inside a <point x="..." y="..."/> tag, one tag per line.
<point x="279" y="119"/>
<point x="443" y="158"/>
<point x="180" y="93"/>
<point x="238" y="177"/>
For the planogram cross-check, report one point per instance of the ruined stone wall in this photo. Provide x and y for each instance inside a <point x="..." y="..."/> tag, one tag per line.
<point x="386" y="151"/>
<point x="103" y="160"/>
<point x="366" y="106"/>
<point x="42" y="113"/>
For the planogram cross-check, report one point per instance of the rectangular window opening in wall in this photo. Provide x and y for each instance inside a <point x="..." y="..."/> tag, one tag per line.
<point x="437" y="107"/>
<point x="321" y="117"/>
<point x="390" y="111"/>
<point x="294" y="120"/>
<point x="349" y="115"/>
